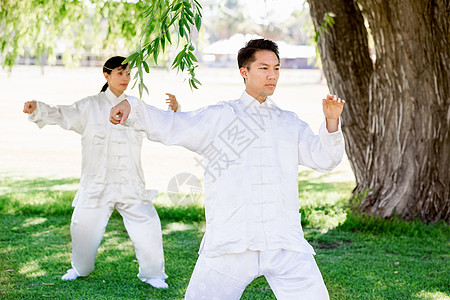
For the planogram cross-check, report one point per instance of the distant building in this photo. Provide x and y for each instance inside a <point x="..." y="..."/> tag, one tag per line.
<point x="67" y="55"/>
<point x="220" y="54"/>
<point x="223" y="53"/>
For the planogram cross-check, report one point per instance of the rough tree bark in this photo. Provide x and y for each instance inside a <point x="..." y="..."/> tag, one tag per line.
<point x="397" y="120"/>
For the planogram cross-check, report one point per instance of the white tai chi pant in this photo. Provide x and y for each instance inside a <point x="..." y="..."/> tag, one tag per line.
<point x="142" y="224"/>
<point x="291" y="275"/>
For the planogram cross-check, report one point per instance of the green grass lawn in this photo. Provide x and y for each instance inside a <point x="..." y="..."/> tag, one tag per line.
<point x="360" y="257"/>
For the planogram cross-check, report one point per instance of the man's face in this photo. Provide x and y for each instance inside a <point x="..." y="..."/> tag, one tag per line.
<point x="262" y="75"/>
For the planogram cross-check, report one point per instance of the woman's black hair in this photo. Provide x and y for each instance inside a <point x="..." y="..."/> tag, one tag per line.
<point x="111" y="64"/>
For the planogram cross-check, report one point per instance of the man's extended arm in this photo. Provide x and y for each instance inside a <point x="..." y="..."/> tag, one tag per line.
<point x="192" y="130"/>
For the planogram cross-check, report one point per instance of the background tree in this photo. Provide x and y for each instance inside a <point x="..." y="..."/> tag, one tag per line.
<point x="29" y="27"/>
<point x="34" y="28"/>
<point x="396" y="123"/>
<point x="223" y="18"/>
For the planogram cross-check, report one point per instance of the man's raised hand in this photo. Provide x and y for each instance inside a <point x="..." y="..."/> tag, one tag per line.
<point x="332" y="106"/>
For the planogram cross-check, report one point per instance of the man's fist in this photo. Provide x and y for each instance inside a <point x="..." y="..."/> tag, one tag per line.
<point x="119" y="113"/>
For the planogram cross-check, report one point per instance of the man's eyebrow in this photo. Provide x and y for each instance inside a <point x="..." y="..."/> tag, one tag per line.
<point x="266" y="64"/>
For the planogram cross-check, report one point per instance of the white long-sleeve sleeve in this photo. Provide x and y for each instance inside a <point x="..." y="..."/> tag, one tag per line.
<point x="321" y="152"/>
<point x="70" y="117"/>
<point x="192" y="130"/>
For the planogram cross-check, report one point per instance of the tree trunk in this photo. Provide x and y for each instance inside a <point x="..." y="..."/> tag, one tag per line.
<point x="397" y="118"/>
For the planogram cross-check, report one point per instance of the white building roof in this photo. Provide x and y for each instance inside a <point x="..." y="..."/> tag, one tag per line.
<point x="232" y="45"/>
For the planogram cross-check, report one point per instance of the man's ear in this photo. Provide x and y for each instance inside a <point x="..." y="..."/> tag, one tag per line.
<point x="244" y="72"/>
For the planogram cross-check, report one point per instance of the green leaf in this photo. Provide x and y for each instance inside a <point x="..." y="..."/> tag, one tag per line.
<point x="198" y="4"/>
<point x="192" y="57"/>
<point x="177" y="6"/>
<point x="163" y="43"/>
<point x="145" y="87"/>
<point x="186" y="25"/>
<point x="180" y="28"/>
<point x="131" y="57"/>
<point x="192" y="84"/>
<point x="189" y="12"/>
<point x="134" y="83"/>
<point x="168" y="37"/>
<point x="198" y="22"/>
<point x="155" y="54"/>
<point x="141" y="73"/>
<point x="131" y="64"/>
<point x="179" y="55"/>
<point x="188" y="18"/>
<point x="147" y="12"/>
<point x="182" y="65"/>
<point x="147" y="69"/>
<point x="174" y="18"/>
<point x="140" y="89"/>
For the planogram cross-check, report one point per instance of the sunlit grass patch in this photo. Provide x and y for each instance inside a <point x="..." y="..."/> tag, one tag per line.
<point x="360" y="257"/>
<point x="432" y="295"/>
<point x="37" y="196"/>
<point x="31" y="269"/>
<point x="178" y="226"/>
<point x="33" y="221"/>
<point x="323" y="203"/>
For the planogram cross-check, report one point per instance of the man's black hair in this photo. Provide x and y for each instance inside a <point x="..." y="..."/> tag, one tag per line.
<point x="246" y="55"/>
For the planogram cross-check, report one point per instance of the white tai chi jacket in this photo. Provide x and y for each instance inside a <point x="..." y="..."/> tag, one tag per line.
<point x="111" y="155"/>
<point x="251" y="154"/>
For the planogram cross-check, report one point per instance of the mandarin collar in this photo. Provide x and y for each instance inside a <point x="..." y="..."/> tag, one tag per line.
<point x="248" y="100"/>
<point x="110" y="95"/>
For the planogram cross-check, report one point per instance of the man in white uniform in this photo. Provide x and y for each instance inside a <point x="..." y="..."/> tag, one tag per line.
<point x="252" y="150"/>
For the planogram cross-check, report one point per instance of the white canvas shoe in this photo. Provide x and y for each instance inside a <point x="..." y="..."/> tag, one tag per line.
<point x="157" y="283"/>
<point x="70" y="275"/>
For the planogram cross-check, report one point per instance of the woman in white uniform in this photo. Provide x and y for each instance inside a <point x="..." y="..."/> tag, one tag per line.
<point x="111" y="177"/>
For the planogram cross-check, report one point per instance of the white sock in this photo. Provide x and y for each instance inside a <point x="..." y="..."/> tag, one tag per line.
<point x="158" y="283"/>
<point x="70" y="275"/>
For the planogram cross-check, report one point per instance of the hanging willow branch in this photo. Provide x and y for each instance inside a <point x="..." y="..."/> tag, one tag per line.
<point x="163" y="19"/>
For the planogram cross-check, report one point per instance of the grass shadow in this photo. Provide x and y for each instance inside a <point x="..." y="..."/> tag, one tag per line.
<point x="34" y="185"/>
<point x="371" y="258"/>
<point x="360" y="257"/>
<point x="38" y="196"/>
